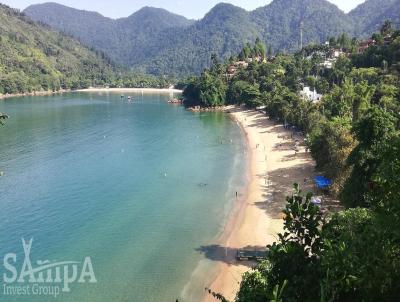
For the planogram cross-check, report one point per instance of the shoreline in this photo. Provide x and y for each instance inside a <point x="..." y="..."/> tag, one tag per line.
<point x="256" y="219"/>
<point x="121" y="90"/>
<point x="35" y="93"/>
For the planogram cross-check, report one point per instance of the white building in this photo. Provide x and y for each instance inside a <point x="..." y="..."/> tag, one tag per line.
<point x="328" y="63"/>
<point x="312" y="96"/>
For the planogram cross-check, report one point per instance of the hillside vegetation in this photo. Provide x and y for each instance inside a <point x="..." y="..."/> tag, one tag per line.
<point x="155" y="41"/>
<point x="35" y="58"/>
<point x="353" y="133"/>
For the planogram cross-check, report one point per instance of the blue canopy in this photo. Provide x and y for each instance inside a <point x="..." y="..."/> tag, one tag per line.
<point x="322" y="182"/>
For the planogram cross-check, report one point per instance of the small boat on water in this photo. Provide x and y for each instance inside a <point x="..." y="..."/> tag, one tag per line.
<point x="129" y="97"/>
<point x="175" y="101"/>
<point x="122" y="96"/>
<point x="250" y="254"/>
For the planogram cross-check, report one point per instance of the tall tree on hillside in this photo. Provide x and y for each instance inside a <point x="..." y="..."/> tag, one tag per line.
<point x="330" y="145"/>
<point x="374" y="132"/>
<point x="386" y="28"/>
<point x="270" y="51"/>
<point x="259" y="49"/>
<point x="362" y="98"/>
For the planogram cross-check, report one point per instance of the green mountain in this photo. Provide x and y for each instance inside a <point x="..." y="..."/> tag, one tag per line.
<point x="127" y="40"/>
<point x="33" y="57"/>
<point x="188" y="50"/>
<point x="280" y="22"/>
<point x="370" y="15"/>
<point x="158" y="42"/>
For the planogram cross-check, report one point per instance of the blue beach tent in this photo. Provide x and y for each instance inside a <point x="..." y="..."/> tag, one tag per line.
<point x="322" y="182"/>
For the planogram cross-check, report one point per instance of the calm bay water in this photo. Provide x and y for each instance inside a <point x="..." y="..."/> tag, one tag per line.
<point x="136" y="186"/>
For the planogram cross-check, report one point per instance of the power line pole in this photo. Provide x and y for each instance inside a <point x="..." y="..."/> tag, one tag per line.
<point x="301" y="34"/>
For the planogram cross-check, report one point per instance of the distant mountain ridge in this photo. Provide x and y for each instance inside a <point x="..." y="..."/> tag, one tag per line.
<point x="369" y="15"/>
<point x="37" y="58"/>
<point x="156" y="41"/>
<point x="118" y="38"/>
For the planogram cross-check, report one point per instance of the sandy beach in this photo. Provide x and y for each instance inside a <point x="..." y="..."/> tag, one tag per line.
<point x="100" y="90"/>
<point x="126" y="90"/>
<point x="257" y="218"/>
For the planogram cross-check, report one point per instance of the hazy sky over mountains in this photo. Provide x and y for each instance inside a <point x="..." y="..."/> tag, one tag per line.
<point x="193" y="9"/>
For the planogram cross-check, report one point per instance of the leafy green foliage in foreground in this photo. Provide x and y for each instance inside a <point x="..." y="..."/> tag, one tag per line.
<point x="353" y="256"/>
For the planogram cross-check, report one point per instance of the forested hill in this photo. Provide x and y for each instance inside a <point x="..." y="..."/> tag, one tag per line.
<point x="280" y="22"/>
<point x="155" y="41"/>
<point x="369" y="16"/>
<point x="35" y="58"/>
<point x="127" y="40"/>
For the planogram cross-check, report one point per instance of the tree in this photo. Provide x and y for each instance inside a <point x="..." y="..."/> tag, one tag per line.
<point x="374" y="132"/>
<point x="344" y="41"/>
<point x="360" y="257"/>
<point x="246" y="52"/>
<point x="339" y="102"/>
<point x="342" y="67"/>
<point x="352" y="256"/>
<point x="331" y="143"/>
<point x="386" y="28"/>
<point x="292" y="263"/>
<point x="332" y="41"/>
<point x="3" y="117"/>
<point x="212" y="90"/>
<point x="386" y="193"/>
<point x="259" y="49"/>
<point x="270" y="51"/>
<point x="362" y="98"/>
<point x="243" y="92"/>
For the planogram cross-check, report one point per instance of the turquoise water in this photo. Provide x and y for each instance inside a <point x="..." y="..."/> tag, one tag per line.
<point x="136" y="186"/>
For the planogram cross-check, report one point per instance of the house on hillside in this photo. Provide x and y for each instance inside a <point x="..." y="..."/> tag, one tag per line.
<point x="328" y="63"/>
<point x="332" y="57"/>
<point x="335" y="53"/>
<point x="318" y="53"/>
<point x="231" y="71"/>
<point x="258" y="59"/>
<point x="310" y="95"/>
<point x="364" y="45"/>
<point x="387" y="39"/>
<point x="242" y="64"/>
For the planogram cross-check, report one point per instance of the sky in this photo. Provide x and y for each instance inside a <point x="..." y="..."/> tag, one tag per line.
<point x="193" y="9"/>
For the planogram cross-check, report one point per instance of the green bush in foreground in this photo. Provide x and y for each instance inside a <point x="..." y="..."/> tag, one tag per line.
<point x="353" y="256"/>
